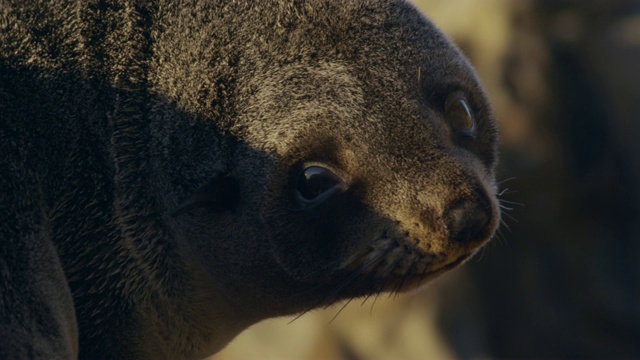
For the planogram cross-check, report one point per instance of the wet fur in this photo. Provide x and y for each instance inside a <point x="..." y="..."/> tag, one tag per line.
<point x="112" y="115"/>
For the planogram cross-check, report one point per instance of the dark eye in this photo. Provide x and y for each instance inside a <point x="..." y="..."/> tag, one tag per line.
<point x="315" y="181"/>
<point x="459" y="115"/>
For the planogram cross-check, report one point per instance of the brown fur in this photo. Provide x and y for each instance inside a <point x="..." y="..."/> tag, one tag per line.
<point x="148" y="195"/>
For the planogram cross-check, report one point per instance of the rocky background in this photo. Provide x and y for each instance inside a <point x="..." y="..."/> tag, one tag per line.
<point x="562" y="279"/>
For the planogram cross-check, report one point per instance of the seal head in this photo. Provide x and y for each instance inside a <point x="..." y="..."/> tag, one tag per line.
<point x="365" y="161"/>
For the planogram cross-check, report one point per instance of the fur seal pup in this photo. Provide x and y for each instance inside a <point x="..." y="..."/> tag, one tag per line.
<point x="173" y="172"/>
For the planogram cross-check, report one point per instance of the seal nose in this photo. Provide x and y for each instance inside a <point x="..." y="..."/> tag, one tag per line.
<point x="467" y="221"/>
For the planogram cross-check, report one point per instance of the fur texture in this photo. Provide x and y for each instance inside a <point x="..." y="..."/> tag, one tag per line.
<point x="151" y="161"/>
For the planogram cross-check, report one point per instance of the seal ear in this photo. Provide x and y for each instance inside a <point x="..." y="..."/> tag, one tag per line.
<point x="220" y="194"/>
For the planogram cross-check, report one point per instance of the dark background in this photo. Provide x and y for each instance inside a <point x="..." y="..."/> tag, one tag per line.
<point x="562" y="279"/>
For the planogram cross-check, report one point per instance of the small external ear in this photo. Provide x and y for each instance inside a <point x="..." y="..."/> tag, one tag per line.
<point x="220" y="194"/>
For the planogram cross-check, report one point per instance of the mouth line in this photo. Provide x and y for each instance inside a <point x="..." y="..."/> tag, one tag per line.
<point x="412" y="282"/>
<point x="436" y="272"/>
<point x="406" y="275"/>
<point x="453" y="264"/>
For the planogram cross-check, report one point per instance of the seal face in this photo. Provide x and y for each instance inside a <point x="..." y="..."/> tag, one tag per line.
<point x="195" y="168"/>
<point x="390" y="198"/>
<point x="368" y="160"/>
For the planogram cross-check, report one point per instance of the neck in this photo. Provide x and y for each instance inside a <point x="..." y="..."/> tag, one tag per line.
<point x="195" y="324"/>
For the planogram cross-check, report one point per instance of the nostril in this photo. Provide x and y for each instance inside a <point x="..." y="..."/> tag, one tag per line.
<point x="467" y="221"/>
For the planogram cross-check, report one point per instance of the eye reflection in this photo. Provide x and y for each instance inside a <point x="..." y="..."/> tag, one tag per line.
<point x="313" y="181"/>
<point x="459" y="115"/>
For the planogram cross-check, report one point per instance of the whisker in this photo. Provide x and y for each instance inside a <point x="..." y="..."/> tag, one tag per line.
<point x="379" y="292"/>
<point x="390" y="271"/>
<point x="407" y="274"/>
<point x="300" y="315"/>
<point x="505" y="180"/>
<point x="510" y="217"/>
<point x="505" y="225"/>
<point x="506" y="191"/>
<point x="333" y="264"/>
<point x="500" y="237"/>
<point x="422" y="275"/>
<point x="328" y="299"/>
<point x="356" y="274"/>
<point x="511" y="202"/>
<point x="479" y="257"/>
<point x="365" y="299"/>
<point x="339" y="311"/>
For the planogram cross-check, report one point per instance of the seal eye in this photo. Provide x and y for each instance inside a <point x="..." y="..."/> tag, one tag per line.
<point x="314" y="181"/>
<point x="459" y="115"/>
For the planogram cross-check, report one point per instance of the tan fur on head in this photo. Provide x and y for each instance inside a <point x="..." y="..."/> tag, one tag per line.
<point x="201" y="166"/>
